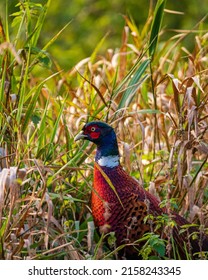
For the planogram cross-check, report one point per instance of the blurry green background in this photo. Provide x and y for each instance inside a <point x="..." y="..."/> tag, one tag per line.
<point x="91" y="20"/>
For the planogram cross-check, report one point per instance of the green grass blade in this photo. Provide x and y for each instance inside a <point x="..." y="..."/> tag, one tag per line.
<point x="122" y="84"/>
<point x="2" y="95"/>
<point x="42" y="129"/>
<point x="22" y="91"/>
<point x="76" y="160"/>
<point x="97" y="48"/>
<point x="33" y="101"/>
<point x="55" y="37"/>
<point x="51" y="147"/>
<point x="40" y="22"/>
<point x="156" y="24"/>
<point x="134" y="84"/>
<point x="7" y="23"/>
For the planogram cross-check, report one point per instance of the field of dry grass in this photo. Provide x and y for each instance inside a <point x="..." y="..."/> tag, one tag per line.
<point x="153" y="92"/>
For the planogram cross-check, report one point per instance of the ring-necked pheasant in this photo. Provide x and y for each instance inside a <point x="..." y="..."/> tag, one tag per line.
<point x="119" y="204"/>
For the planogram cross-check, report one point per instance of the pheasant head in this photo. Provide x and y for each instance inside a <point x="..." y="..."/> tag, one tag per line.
<point x="104" y="137"/>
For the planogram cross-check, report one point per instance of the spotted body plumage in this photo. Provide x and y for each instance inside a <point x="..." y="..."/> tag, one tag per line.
<point x="119" y="204"/>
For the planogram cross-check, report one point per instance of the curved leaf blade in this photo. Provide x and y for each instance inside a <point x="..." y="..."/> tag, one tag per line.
<point x="134" y="84"/>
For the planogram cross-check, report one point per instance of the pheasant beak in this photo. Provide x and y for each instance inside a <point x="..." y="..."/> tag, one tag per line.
<point x="79" y="136"/>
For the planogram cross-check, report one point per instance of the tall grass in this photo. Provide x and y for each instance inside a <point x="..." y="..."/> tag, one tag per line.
<point x="154" y="94"/>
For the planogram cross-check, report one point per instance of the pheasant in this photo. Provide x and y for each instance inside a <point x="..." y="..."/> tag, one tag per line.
<point x="120" y="205"/>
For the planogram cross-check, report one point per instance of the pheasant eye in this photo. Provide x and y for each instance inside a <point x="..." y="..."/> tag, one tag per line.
<point x="93" y="128"/>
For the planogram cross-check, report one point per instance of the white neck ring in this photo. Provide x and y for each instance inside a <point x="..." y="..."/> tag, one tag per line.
<point x="109" y="161"/>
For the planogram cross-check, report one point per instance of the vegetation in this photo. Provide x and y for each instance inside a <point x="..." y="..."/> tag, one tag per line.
<point x="153" y="91"/>
<point x="90" y="20"/>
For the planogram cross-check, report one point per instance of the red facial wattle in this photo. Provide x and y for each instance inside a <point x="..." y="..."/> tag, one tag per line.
<point x="95" y="134"/>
